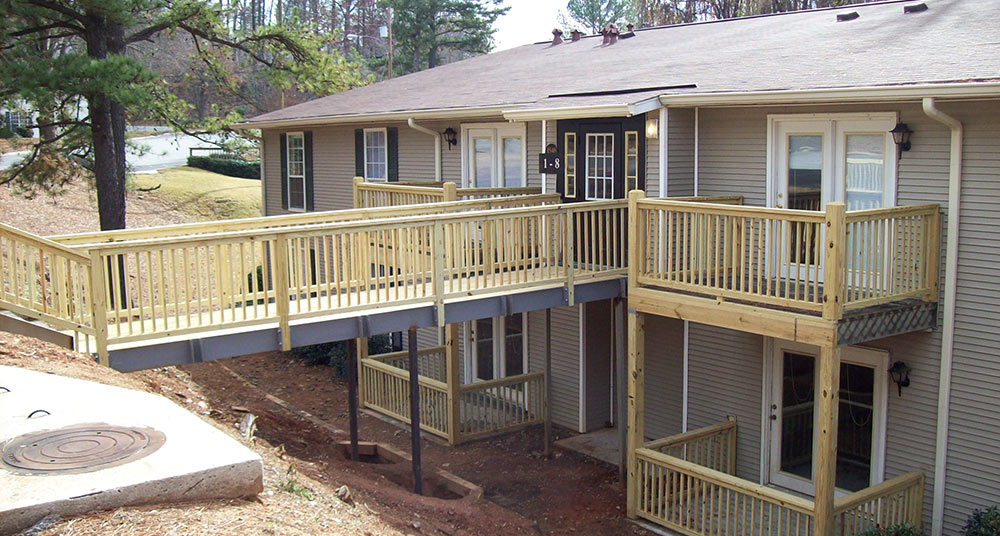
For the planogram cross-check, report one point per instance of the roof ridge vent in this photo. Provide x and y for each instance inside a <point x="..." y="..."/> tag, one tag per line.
<point x="915" y="8"/>
<point x="844" y="17"/>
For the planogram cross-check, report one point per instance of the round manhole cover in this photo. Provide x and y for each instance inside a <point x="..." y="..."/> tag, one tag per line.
<point x="78" y="449"/>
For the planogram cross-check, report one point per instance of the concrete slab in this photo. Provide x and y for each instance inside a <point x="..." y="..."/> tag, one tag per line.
<point x="602" y="444"/>
<point x="196" y="462"/>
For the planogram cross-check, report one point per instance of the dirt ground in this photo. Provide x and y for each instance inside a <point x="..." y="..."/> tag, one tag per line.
<point x="302" y="414"/>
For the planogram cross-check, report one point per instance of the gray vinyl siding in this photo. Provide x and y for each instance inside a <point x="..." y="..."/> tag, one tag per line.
<point x="652" y="160"/>
<point x="598" y="351"/>
<point x="680" y="151"/>
<point x="725" y="370"/>
<point x="333" y="157"/>
<point x="732" y="159"/>
<point x="664" y="376"/>
<point x="565" y="395"/>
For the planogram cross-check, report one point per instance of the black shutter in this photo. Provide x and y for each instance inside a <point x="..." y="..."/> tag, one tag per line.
<point x="359" y="152"/>
<point x="308" y="142"/>
<point x="392" y="150"/>
<point x="284" y="171"/>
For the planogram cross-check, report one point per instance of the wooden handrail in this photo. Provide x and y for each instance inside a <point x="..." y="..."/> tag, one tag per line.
<point x="693" y="435"/>
<point x="289" y="220"/>
<point x="44" y="243"/>
<point x="860" y="497"/>
<point x="500" y="382"/>
<point x="399" y="373"/>
<point x="765" y="493"/>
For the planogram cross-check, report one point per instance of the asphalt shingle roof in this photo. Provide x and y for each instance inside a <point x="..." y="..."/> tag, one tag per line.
<point x="952" y="41"/>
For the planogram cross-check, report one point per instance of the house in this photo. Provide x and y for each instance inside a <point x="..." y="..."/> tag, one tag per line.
<point x="791" y="111"/>
<point x="784" y="221"/>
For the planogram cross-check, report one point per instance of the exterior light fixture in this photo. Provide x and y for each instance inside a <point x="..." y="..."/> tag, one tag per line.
<point x="652" y="128"/>
<point x="901" y="135"/>
<point x="451" y="137"/>
<point x="900" y="373"/>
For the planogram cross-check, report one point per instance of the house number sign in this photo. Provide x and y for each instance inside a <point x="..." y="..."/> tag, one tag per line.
<point x="549" y="161"/>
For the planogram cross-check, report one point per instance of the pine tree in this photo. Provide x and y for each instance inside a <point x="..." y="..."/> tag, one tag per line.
<point x="75" y="60"/>
<point x="428" y="33"/>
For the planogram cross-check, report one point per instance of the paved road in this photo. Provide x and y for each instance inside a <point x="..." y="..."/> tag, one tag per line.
<point x="165" y="150"/>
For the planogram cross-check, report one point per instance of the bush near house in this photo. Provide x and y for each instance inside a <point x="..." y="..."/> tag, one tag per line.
<point x="8" y="132"/>
<point x="983" y="523"/>
<point x="334" y="354"/>
<point x="226" y="166"/>
<point x="895" y="530"/>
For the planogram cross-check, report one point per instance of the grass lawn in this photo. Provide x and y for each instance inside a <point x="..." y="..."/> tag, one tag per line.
<point x="200" y="193"/>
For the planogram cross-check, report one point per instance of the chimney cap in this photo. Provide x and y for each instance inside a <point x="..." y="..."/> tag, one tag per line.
<point x="574" y="34"/>
<point x="557" y="36"/>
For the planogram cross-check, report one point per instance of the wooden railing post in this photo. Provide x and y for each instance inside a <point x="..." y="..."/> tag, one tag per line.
<point x="825" y="458"/>
<point x="362" y="355"/>
<point x="99" y="306"/>
<point x="569" y="257"/>
<point x="635" y="233"/>
<point x="731" y="447"/>
<point x="450" y="191"/>
<point x="281" y="289"/>
<point x="833" y="261"/>
<point x="932" y="255"/>
<point x="636" y="403"/>
<point x="437" y="272"/>
<point x="454" y="383"/>
<point x="357" y="191"/>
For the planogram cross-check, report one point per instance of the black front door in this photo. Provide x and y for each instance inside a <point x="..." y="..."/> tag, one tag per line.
<point x="603" y="158"/>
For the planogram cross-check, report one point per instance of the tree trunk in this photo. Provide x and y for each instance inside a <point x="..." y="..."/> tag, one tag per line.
<point x="110" y="188"/>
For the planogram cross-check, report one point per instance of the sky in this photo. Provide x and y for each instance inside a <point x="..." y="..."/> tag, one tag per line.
<point x="528" y="21"/>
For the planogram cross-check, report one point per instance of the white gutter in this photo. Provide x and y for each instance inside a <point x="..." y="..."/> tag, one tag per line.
<point x="573" y="112"/>
<point x="948" y="323"/>
<point x="437" y="145"/>
<point x="964" y="90"/>
<point x="431" y="113"/>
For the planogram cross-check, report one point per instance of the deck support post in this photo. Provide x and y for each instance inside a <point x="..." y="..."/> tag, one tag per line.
<point x="352" y="394"/>
<point x="620" y="401"/>
<point x="362" y="355"/>
<point x="825" y="457"/>
<point x="548" y="383"/>
<point x="833" y="260"/>
<point x="411" y="348"/>
<point x="454" y="383"/>
<point x="636" y="403"/>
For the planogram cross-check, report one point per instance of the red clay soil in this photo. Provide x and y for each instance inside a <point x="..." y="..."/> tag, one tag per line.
<point x="525" y="493"/>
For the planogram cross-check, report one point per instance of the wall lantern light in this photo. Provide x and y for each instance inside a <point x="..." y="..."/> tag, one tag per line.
<point x="652" y="128"/>
<point x="901" y="135"/>
<point x="900" y="373"/>
<point x="451" y="137"/>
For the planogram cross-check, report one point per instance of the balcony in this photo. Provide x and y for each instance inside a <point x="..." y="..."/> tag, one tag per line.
<point x="831" y="277"/>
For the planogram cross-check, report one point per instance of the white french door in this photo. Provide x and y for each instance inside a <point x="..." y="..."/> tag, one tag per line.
<point x="792" y="404"/>
<point x="815" y="159"/>
<point x="495" y="156"/>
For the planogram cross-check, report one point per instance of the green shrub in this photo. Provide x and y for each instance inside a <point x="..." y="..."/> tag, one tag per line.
<point x="22" y="132"/>
<point x="334" y="354"/>
<point x="983" y="523"/>
<point x="226" y="166"/>
<point x="895" y="530"/>
<point x="6" y="133"/>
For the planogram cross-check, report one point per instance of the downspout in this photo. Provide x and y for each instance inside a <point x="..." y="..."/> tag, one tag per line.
<point x="687" y="323"/>
<point x="437" y="145"/>
<point x="948" y="323"/>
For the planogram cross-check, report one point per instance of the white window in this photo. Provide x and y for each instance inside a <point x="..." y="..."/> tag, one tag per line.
<point x="498" y="348"/>
<point x="296" y="151"/>
<point x="494" y="156"/>
<point x="376" y="155"/>
<point x="792" y="408"/>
